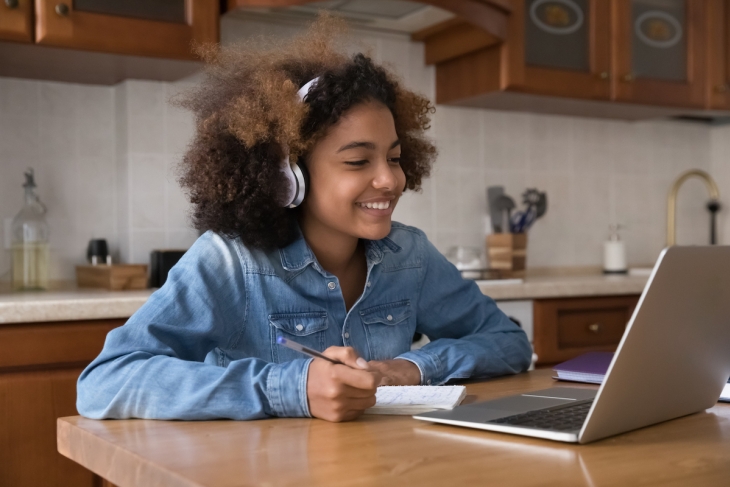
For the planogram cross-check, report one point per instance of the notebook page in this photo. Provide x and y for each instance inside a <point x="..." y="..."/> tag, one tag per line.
<point x="416" y="399"/>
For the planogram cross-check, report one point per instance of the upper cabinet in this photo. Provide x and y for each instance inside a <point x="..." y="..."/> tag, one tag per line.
<point x="559" y="48"/>
<point x="660" y="51"/>
<point x="719" y="54"/>
<point x="104" y="41"/>
<point x="647" y="56"/>
<point x="158" y="28"/>
<point x="16" y="20"/>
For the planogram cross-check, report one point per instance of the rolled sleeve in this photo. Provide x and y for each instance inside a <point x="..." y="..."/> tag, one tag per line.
<point x="286" y="389"/>
<point x="429" y="365"/>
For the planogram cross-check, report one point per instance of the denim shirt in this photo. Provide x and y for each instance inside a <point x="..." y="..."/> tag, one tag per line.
<point x="204" y="345"/>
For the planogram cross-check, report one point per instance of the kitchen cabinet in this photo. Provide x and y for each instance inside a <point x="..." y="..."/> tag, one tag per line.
<point x="567" y="327"/>
<point x="718" y="40"/>
<point x="659" y="51"/>
<point x="105" y="41"/>
<point x="16" y="20"/>
<point x="649" y="57"/>
<point x="39" y="366"/>
<point x="158" y="28"/>
<point x="559" y="48"/>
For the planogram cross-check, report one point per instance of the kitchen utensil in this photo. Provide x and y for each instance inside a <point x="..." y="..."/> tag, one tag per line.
<point x="505" y="205"/>
<point x="493" y="194"/>
<point x="536" y="206"/>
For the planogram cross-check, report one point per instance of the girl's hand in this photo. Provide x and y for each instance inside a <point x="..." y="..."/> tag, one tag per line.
<point x="396" y="372"/>
<point x="341" y="392"/>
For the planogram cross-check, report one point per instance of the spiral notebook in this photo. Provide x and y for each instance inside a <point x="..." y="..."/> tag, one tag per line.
<point x="416" y="399"/>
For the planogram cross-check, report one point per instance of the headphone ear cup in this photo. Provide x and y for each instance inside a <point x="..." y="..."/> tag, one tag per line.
<point x="305" y="175"/>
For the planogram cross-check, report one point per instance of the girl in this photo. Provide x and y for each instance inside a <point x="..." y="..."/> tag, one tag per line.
<point x="300" y="157"/>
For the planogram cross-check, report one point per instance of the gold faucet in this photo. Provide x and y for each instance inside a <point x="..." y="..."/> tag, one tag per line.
<point x="672" y="200"/>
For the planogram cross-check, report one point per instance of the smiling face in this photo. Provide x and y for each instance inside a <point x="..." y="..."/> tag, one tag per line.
<point x="355" y="176"/>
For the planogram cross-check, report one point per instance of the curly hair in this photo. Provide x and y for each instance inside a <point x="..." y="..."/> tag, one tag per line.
<point x="247" y="111"/>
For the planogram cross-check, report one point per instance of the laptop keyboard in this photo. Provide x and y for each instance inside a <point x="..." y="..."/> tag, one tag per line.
<point x="568" y="417"/>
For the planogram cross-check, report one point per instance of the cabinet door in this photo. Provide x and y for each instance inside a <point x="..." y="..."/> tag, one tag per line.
<point x="158" y="28"/>
<point x="659" y="51"/>
<point x="16" y="20"/>
<point x="718" y="40"/>
<point x="560" y="48"/>
<point x="30" y="402"/>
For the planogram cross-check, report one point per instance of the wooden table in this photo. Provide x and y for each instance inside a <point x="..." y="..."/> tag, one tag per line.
<point x="395" y="450"/>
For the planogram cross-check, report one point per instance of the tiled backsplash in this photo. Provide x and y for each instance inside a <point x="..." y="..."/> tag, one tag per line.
<point x="105" y="161"/>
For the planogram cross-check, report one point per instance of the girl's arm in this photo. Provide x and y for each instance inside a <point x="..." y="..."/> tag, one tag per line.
<point x="152" y="367"/>
<point x="470" y="336"/>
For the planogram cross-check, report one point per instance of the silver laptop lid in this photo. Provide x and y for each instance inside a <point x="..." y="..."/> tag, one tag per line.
<point x="675" y="353"/>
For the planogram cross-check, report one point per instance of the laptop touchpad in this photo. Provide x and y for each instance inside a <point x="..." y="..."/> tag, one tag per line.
<point x="522" y="403"/>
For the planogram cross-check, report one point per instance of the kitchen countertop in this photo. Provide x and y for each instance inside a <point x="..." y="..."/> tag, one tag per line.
<point x="566" y="286"/>
<point x="68" y="304"/>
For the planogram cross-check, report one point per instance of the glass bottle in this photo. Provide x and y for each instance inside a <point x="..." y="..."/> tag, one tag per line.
<point x="30" y="248"/>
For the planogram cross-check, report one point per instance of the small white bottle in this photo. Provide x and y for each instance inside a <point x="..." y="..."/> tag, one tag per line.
<point x="614" y="253"/>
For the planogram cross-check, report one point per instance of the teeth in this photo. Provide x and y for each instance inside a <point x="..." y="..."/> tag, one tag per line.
<point x="378" y="206"/>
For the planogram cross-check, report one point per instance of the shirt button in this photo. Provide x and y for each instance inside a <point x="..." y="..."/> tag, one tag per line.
<point x="299" y="327"/>
<point x="331" y="286"/>
<point x="428" y="382"/>
<point x="347" y="335"/>
<point x="389" y="317"/>
<point x="368" y="283"/>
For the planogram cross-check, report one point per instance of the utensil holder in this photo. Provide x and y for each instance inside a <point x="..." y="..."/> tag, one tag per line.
<point x="116" y="277"/>
<point x="507" y="253"/>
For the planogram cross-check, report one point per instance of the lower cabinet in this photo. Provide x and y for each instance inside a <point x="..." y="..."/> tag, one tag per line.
<point x="567" y="327"/>
<point x="39" y="366"/>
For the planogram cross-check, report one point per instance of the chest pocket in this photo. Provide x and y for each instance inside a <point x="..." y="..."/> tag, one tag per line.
<point x="307" y="329"/>
<point x="388" y="329"/>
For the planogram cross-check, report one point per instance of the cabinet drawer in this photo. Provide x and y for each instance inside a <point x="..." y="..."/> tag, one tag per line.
<point x="566" y="328"/>
<point x="53" y="344"/>
<point x="590" y="328"/>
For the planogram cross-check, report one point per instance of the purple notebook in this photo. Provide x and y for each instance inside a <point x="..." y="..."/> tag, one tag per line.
<point x="589" y="367"/>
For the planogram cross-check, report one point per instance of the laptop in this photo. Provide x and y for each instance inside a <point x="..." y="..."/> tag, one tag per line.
<point x="673" y="360"/>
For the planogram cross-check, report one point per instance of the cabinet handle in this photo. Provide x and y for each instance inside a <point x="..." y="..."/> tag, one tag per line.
<point x="11" y="4"/>
<point x="603" y="75"/>
<point x="62" y="9"/>
<point x="628" y="78"/>
<point x="595" y="327"/>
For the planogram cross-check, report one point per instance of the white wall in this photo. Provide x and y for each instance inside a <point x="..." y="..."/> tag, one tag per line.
<point x="105" y="159"/>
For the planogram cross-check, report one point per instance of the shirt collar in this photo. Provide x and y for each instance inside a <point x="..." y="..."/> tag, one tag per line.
<point x="297" y="255"/>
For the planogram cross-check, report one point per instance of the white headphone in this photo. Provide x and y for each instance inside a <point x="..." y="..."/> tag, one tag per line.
<point x="296" y="173"/>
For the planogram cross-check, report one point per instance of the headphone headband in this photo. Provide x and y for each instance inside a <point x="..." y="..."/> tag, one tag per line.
<point x="294" y="173"/>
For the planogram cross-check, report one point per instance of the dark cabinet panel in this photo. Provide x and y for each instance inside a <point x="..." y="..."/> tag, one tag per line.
<point x="16" y="20"/>
<point x="557" y="34"/>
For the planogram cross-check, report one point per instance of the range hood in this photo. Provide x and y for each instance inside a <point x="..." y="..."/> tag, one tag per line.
<point x="395" y="16"/>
